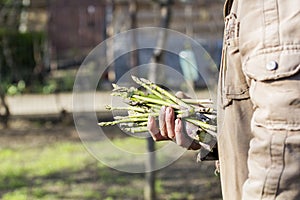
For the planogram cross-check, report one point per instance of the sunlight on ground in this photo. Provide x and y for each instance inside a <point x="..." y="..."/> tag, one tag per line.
<point x="65" y="170"/>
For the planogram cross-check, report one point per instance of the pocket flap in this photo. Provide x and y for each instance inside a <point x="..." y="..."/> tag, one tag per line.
<point x="272" y="66"/>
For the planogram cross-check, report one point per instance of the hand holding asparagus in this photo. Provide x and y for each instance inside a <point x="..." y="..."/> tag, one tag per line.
<point x="146" y="104"/>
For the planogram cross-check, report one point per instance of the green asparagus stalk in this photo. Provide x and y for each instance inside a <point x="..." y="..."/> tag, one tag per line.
<point x="122" y="121"/>
<point x="154" y="87"/>
<point x="133" y="108"/>
<point x="145" y="115"/>
<point x="198" y="101"/>
<point x="140" y="129"/>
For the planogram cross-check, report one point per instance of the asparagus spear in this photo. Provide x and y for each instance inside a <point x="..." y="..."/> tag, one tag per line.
<point x="153" y="88"/>
<point x="143" y="104"/>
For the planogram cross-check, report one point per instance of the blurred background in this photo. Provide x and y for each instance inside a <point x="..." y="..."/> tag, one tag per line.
<point x="42" y="45"/>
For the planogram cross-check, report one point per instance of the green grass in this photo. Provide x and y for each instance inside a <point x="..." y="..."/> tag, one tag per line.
<point x="63" y="170"/>
<point x="42" y="161"/>
<point x="23" y="168"/>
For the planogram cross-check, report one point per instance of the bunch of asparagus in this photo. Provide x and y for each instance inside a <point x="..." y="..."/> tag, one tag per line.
<point x="148" y="102"/>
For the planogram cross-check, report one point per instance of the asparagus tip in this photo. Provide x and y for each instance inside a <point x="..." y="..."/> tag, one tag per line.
<point x="101" y="123"/>
<point x="108" y="107"/>
<point x="114" y="85"/>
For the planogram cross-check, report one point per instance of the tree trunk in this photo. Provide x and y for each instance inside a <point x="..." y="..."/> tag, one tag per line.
<point x="9" y="20"/>
<point x="110" y="20"/>
<point x="4" y="118"/>
<point x="156" y="58"/>
<point x="157" y="55"/>
<point x="134" y="56"/>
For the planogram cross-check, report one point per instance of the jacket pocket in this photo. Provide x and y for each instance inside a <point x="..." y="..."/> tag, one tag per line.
<point x="274" y="89"/>
<point x="276" y="63"/>
<point x="233" y="82"/>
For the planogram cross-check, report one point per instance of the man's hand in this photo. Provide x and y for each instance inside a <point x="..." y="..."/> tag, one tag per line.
<point x="171" y="129"/>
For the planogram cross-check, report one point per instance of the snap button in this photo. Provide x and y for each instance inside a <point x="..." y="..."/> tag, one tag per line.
<point x="272" y="65"/>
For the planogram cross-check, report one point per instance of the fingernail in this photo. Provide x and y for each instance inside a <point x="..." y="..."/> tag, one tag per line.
<point x="169" y="110"/>
<point x="150" y="119"/>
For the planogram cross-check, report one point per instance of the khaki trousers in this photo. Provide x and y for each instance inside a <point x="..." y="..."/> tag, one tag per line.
<point x="259" y="101"/>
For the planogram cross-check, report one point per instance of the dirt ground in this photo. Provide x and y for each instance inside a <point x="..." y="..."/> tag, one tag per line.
<point x="184" y="176"/>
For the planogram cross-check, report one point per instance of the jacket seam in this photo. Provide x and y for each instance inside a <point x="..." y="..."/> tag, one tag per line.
<point x="294" y="48"/>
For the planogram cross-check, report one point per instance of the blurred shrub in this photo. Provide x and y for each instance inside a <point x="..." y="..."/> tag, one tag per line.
<point x="20" y="54"/>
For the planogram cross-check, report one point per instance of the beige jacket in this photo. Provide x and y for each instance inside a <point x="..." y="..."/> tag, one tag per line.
<point x="259" y="100"/>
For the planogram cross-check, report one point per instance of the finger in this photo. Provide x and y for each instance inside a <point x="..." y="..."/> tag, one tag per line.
<point x="183" y="139"/>
<point x="181" y="95"/>
<point x="170" y="123"/>
<point x="162" y="121"/>
<point x="151" y="125"/>
<point x="154" y="130"/>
